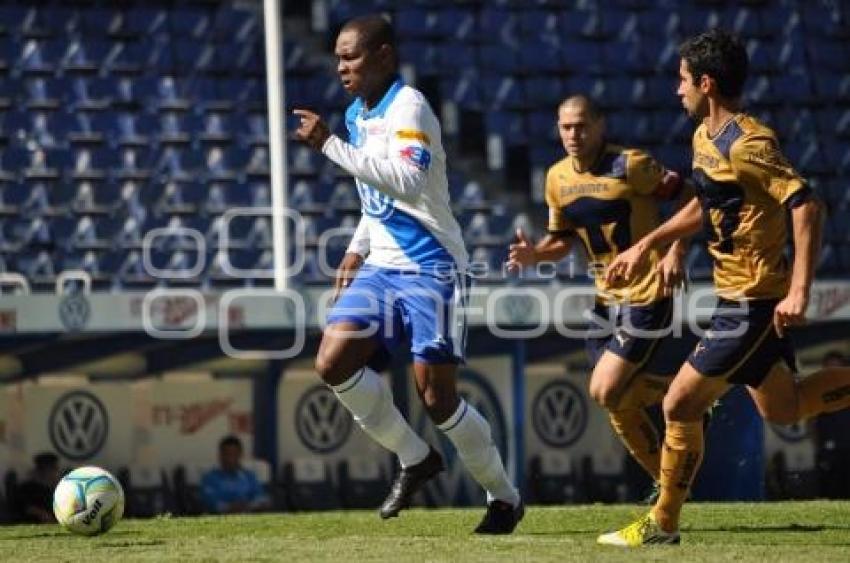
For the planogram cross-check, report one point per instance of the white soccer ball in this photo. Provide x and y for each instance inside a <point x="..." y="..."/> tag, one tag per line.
<point x="88" y="501"/>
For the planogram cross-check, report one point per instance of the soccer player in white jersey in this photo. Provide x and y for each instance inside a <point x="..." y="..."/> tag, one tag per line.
<point x="410" y="288"/>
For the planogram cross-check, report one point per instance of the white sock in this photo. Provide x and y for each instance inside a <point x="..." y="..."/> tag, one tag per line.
<point x="470" y="434"/>
<point x="367" y="396"/>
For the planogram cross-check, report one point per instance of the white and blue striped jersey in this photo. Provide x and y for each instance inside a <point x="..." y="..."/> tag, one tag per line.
<point x="396" y="156"/>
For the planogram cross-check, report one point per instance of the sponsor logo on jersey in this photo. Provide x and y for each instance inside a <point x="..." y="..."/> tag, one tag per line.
<point x="417" y="156"/>
<point x="413" y="135"/>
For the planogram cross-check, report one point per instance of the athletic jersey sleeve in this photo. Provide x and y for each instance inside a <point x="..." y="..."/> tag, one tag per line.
<point x="403" y="174"/>
<point x="360" y="240"/>
<point x="648" y="177"/>
<point x="557" y="222"/>
<point x="759" y="164"/>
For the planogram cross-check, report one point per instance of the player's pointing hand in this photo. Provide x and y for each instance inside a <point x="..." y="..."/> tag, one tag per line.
<point x="312" y="130"/>
<point x="521" y="253"/>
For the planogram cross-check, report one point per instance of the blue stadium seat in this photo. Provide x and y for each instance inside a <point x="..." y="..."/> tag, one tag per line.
<point x="462" y="89"/>
<point x="762" y="56"/>
<point x="699" y="18"/>
<point x="100" y="21"/>
<point x="791" y="57"/>
<point x="146" y="21"/>
<point x="582" y="57"/>
<point x="593" y="86"/>
<point x="500" y="59"/>
<point x="423" y="55"/>
<point x="828" y="55"/>
<point x="189" y="22"/>
<point x="234" y="23"/>
<point x="454" y="56"/>
<point x="544" y="91"/>
<point x="458" y="22"/>
<point x="497" y="24"/>
<point x="746" y="22"/>
<point x="539" y="56"/>
<point x="84" y="57"/>
<point x="124" y="58"/>
<point x="542" y="125"/>
<point x="191" y="57"/>
<point x="509" y="125"/>
<point x="499" y="92"/>
<point x="415" y="23"/>
<point x="673" y="126"/>
<point x="87" y="94"/>
<point x="42" y="93"/>
<point x="662" y="23"/>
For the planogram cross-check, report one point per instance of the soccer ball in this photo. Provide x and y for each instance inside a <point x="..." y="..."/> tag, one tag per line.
<point x="88" y="501"/>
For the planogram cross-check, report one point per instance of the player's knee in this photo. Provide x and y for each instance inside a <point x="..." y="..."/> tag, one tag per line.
<point x="604" y="395"/>
<point x="328" y="368"/>
<point x="680" y="407"/>
<point x="440" y="403"/>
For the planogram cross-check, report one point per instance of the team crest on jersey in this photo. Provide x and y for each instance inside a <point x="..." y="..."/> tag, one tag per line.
<point x="417" y="156"/>
<point x="374" y="203"/>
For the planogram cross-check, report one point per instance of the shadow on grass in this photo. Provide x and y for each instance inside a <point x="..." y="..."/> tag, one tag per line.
<point x="759" y="529"/>
<point x="61" y="533"/>
<point x="131" y="543"/>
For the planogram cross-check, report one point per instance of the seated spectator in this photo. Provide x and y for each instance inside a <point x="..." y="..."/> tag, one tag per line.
<point x="33" y="499"/>
<point x="230" y="488"/>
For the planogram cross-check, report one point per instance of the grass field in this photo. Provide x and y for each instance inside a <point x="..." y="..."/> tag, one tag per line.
<point x="799" y="531"/>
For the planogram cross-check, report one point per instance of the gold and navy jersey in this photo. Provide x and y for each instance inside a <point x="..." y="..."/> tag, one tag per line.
<point x="744" y="184"/>
<point x="611" y="206"/>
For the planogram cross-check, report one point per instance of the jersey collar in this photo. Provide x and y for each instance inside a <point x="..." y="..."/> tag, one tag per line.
<point x="381" y="108"/>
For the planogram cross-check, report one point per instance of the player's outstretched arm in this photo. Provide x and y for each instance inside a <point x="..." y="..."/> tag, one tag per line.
<point x="671" y="269"/>
<point x="807" y="224"/>
<point x="686" y="222"/>
<point x="402" y="175"/>
<point x="524" y="252"/>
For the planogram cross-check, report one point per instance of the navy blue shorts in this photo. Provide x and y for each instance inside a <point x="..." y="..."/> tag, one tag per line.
<point x="742" y="345"/>
<point x="424" y="311"/>
<point x="633" y="332"/>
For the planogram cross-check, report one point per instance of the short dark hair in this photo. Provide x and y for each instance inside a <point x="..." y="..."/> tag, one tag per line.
<point x="230" y="440"/>
<point x="719" y="55"/>
<point x="374" y="31"/>
<point x="45" y="460"/>
<point x="590" y="105"/>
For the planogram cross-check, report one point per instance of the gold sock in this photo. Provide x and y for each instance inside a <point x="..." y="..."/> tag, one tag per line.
<point x="826" y="390"/>
<point x="638" y="433"/>
<point x="680" y="460"/>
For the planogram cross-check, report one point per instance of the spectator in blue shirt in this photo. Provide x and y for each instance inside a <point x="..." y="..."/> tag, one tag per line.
<point x="230" y="488"/>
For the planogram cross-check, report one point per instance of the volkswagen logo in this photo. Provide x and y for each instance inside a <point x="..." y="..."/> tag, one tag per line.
<point x="374" y="203"/>
<point x="74" y="312"/>
<point x="792" y="432"/>
<point x="519" y="308"/>
<point x="78" y="425"/>
<point x="559" y="414"/>
<point x="322" y="422"/>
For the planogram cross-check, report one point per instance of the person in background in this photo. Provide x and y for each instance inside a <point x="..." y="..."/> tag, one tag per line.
<point x="33" y="499"/>
<point x="230" y="488"/>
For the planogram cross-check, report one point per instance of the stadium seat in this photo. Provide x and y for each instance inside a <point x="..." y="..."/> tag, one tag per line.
<point x="309" y="485"/>
<point x="145" y="491"/>
<point x="551" y="478"/>
<point x="187" y="489"/>
<point x="362" y="483"/>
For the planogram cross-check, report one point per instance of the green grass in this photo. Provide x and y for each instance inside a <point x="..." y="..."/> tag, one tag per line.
<point x="797" y="531"/>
